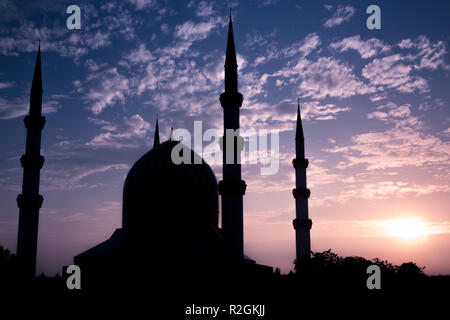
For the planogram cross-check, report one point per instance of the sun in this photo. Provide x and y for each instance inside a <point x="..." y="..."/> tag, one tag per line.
<point x="409" y="229"/>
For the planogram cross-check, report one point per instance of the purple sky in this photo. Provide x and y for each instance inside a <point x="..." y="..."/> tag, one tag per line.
<point x="375" y="109"/>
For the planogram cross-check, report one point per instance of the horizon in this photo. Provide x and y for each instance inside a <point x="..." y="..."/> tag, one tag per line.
<point x="374" y="106"/>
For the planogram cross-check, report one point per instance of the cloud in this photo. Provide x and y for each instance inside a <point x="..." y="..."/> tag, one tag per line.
<point x="405" y="44"/>
<point x="98" y="40"/>
<point x="204" y="9"/>
<point x="183" y="85"/>
<point x="10" y="178"/>
<point x="341" y="15"/>
<point x="379" y="190"/>
<point x="437" y="103"/>
<point x="404" y="144"/>
<point x="300" y="48"/>
<point x="18" y="107"/>
<point x="388" y="189"/>
<point x="283" y="116"/>
<point x="394" y="71"/>
<point x="123" y="134"/>
<point x="91" y="65"/>
<point x="25" y="36"/>
<point x="313" y="110"/>
<point x="142" y="4"/>
<point x="191" y="31"/>
<point x="393" y="111"/>
<point x="378" y="97"/>
<point x="56" y="177"/>
<point x="98" y="30"/>
<point x="165" y="28"/>
<point x="187" y="33"/>
<point x="366" y="49"/>
<point x="255" y="39"/>
<point x="104" y="89"/>
<point x="267" y="3"/>
<point x="320" y="175"/>
<point x="430" y="55"/>
<point x="139" y="55"/>
<point x="4" y="85"/>
<point x="283" y="181"/>
<point x="304" y="47"/>
<point x="327" y="76"/>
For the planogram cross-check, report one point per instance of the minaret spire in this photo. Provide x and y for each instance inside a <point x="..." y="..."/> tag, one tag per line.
<point x="36" y="86"/>
<point x="299" y="137"/>
<point x="302" y="223"/>
<point x="156" y="138"/>
<point x="30" y="201"/>
<point x="232" y="187"/>
<point x="231" y="79"/>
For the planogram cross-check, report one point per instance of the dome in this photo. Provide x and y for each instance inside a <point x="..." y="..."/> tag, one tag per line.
<point x="160" y="195"/>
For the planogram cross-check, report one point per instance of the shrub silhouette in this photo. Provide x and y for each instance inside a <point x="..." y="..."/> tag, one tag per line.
<point x="328" y="270"/>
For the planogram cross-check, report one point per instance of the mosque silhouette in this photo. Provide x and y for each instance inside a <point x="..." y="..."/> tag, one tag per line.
<point x="170" y="242"/>
<point x="170" y="216"/>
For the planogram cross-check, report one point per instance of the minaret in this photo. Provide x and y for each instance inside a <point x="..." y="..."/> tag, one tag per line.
<point x="232" y="187"/>
<point x="156" y="138"/>
<point x="302" y="223"/>
<point x="30" y="201"/>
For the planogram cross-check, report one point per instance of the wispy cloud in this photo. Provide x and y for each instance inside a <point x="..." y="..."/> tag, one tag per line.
<point x="121" y="134"/>
<point x="394" y="72"/>
<point x="104" y="88"/>
<point x="142" y="4"/>
<point x="404" y="144"/>
<point x="191" y="31"/>
<point x="139" y="55"/>
<point x="98" y="30"/>
<point x="324" y="77"/>
<point x="304" y="47"/>
<point x="59" y="178"/>
<point x="341" y="15"/>
<point x="366" y="49"/>
<point x="430" y="55"/>
<point x="4" y="85"/>
<point x="202" y="8"/>
<point x="379" y="191"/>
<point x="14" y="108"/>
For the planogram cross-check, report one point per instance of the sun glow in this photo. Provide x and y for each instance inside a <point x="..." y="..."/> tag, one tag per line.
<point x="406" y="228"/>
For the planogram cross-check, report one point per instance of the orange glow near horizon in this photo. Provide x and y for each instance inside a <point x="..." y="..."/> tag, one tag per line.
<point x="408" y="229"/>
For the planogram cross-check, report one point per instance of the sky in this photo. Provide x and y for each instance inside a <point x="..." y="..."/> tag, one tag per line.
<point x="374" y="104"/>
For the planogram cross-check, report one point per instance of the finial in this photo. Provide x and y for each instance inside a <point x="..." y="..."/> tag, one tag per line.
<point x="299" y="130"/>
<point x="156" y="138"/>
<point x="171" y="133"/>
<point x="37" y="75"/>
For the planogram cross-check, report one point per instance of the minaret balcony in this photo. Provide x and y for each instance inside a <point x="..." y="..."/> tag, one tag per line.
<point x="37" y="122"/>
<point x="301" y="193"/>
<point x="29" y="200"/>
<point x="32" y="161"/>
<point x="300" y="163"/>
<point x="302" y="223"/>
<point x="231" y="99"/>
